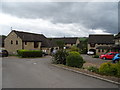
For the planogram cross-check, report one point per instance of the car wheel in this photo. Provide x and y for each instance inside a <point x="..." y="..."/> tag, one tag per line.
<point x="116" y="61"/>
<point x="104" y="58"/>
<point x="4" y="53"/>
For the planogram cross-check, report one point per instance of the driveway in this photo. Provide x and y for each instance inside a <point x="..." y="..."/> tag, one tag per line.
<point x="39" y="73"/>
<point x="96" y="61"/>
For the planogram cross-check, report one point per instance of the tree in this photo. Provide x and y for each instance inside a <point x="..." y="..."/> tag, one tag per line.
<point x="60" y="44"/>
<point x="83" y="46"/>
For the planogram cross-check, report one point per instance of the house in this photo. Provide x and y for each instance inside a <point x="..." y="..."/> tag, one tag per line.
<point x="68" y="41"/>
<point x="117" y="39"/>
<point x="17" y="40"/>
<point x="2" y="38"/>
<point x="116" y="47"/>
<point x="100" y="43"/>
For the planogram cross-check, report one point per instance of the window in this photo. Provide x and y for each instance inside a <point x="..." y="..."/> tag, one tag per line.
<point x="99" y="50"/>
<point x="11" y="42"/>
<point x="36" y="44"/>
<point x="102" y="50"/>
<point x="109" y="53"/>
<point x="16" y="42"/>
<point x="25" y="43"/>
<point x="92" y="45"/>
<point x="118" y="55"/>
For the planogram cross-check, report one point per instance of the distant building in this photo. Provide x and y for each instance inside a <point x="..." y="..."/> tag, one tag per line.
<point x="116" y="47"/>
<point x="117" y="39"/>
<point x="100" y="43"/>
<point x="68" y="41"/>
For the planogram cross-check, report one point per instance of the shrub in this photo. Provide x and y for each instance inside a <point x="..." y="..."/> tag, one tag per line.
<point x="93" y="69"/>
<point x="118" y="69"/>
<point x="60" y="57"/>
<point x="74" y="60"/>
<point x="96" y="56"/>
<point x="30" y="53"/>
<point x="75" y="48"/>
<point x="108" y="69"/>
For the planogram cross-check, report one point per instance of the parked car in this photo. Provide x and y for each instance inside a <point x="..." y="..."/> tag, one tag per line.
<point x="90" y="53"/>
<point x="116" y="58"/>
<point x="108" y="55"/>
<point x="3" y="53"/>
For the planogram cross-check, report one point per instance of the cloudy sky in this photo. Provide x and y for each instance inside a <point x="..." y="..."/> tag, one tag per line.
<point x="58" y="19"/>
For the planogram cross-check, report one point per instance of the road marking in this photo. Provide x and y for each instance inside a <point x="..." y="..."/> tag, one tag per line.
<point x="34" y="63"/>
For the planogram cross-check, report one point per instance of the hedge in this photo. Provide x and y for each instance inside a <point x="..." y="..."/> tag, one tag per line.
<point x="93" y="69"/>
<point x="110" y="69"/>
<point x="30" y="53"/>
<point x="118" y="69"/>
<point x="96" y="56"/>
<point x="74" y="60"/>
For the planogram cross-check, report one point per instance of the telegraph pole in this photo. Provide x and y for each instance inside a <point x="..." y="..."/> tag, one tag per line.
<point x="11" y="28"/>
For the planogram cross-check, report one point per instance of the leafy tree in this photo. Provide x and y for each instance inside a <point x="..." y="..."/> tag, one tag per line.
<point x="74" y="48"/>
<point x="83" y="46"/>
<point x="60" y="44"/>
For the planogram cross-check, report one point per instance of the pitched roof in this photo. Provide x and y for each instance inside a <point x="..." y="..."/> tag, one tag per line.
<point x="117" y="36"/>
<point x="32" y="37"/>
<point x="66" y="40"/>
<point x="101" y="39"/>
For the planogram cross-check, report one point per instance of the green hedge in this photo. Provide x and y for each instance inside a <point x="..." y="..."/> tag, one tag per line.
<point x="110" y="69"/>
<point x="74" y="59"/>
<point x="93" y="69"/>
<point x="30" y="53"/>
<point x="118" y="69"/>
<point x="96" y="56"/>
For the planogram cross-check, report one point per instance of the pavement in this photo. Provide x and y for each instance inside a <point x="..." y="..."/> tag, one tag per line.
<point x="39" y="73"/>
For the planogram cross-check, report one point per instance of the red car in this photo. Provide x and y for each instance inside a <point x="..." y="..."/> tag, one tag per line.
<point x="108" y="55"/>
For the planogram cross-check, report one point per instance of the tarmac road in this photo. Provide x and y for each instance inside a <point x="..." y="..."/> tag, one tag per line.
<point x="89" y="59"/>
<point x="39" y="73"/>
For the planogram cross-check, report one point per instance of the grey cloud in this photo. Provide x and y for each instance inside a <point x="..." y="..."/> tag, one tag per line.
<point x="94" y="15"/>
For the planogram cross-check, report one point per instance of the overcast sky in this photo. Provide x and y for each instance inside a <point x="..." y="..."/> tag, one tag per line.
<point x="57" y="19"/>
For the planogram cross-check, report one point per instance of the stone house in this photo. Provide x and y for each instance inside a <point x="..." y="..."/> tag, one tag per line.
<point x="116" y="47"/>
<point x="2" y="38"/>
<point x="69" y="41"/>
<point x="17" y="40"/>
<point x="100" y="43"/>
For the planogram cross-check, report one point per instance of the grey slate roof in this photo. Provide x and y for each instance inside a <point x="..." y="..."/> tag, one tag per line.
<point x="32" y="37"/>
<point x="66" y="40"/>
<point x="101" y="39"/>
<point x="117" y="36"/>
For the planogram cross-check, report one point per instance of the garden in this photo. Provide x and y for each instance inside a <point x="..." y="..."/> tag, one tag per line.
<point x="72" y="58"/>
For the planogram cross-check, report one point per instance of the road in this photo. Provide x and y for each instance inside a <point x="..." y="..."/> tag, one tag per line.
<point x="39" y="73"/>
